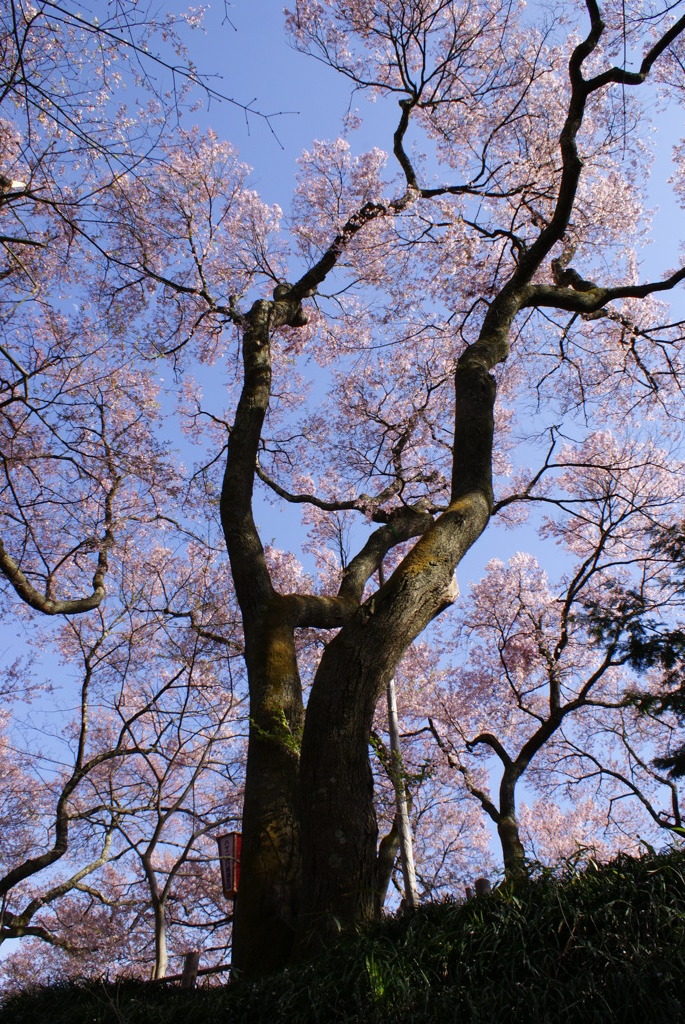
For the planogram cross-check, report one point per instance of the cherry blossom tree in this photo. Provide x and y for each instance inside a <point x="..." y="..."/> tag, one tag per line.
<point x="157" y="772"/>
<point x="450" y="839"/>
<point x="469" y="300"/>
<point x="533" y="671"/>
<point x="440" y="471"/>
<point x="79" y="451"/>
<point x="652" y="638"/>
<point x="175" y="796"/>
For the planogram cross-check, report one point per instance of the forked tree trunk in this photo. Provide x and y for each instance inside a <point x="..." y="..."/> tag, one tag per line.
<point x="338" y="824"/>
<point x="335" y="811"/>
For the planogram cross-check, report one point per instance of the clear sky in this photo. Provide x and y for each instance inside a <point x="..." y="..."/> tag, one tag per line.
<point x="257" y="65"/>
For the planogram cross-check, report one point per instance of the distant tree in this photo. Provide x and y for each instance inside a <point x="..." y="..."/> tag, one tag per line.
<point x="650" y="633"/>
<point x="157" y="748"/>
<point x="533" y="692"/>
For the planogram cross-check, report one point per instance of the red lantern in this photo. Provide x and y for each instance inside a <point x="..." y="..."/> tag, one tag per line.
<point x="229" y="862"/>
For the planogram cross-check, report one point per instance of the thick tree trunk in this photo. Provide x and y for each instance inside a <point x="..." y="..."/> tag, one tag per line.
<point x="338" y="826"/>
<point x="266" y="905"/>
<point x="339" y="832"/>
<point x="513" y="853"/>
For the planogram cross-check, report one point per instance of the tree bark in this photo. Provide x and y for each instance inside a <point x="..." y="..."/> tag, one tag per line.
<point x="266" y="905"/>
<point x="161" y="954"/>
<point x="513" y="853"/>
<point x="326" y="809"/>
<point x="339" y="833"/>
<point x="388" y="848"/>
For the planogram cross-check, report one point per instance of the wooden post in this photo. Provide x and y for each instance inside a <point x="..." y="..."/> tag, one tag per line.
<point x="190" y="966"/>
<point x="411" y="896"/>
<point x="230" y="846"/>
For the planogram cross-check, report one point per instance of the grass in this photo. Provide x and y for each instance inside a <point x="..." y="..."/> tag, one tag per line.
<point x="602" y="946"/>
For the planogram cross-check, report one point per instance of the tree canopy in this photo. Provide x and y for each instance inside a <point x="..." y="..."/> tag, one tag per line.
<point x="446" y="332"/>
